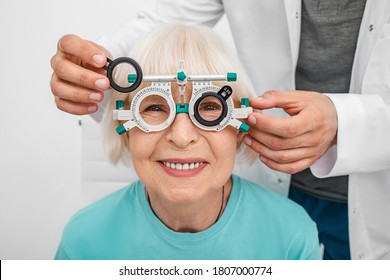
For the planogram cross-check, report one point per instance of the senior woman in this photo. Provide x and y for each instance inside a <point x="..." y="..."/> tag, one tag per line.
<point x="187" y="203"/>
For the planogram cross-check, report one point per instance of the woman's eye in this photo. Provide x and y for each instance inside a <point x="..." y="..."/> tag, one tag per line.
<point x="210" y="107"/>
<point x="155" y="108"/>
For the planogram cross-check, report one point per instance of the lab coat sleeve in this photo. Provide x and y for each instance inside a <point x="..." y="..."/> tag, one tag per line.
<point x="363" y="137"/>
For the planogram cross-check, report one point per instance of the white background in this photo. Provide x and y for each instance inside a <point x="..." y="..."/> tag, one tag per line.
<point x="40" y="147"/>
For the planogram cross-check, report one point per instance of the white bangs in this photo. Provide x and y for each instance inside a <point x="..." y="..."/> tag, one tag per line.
<point x="198" y="47"/>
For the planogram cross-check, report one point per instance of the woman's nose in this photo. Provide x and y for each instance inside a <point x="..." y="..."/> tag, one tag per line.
<point x="182" y="132"/>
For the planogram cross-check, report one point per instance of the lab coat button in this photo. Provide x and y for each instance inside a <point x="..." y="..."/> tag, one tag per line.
<point x="371" y="27"/>
<point x="354" y="211"/>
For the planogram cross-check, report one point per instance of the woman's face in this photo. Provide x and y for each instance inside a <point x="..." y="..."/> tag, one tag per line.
<point x="183" y="163"/>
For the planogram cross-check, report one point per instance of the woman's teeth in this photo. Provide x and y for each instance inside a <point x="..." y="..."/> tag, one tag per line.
<point x="183" y="166"/>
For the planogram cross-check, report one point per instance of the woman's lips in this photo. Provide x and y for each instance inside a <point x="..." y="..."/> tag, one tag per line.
<point x="183" y="168"/>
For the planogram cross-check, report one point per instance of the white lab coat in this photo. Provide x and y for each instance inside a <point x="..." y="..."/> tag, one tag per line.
<point x="267" y="34"/>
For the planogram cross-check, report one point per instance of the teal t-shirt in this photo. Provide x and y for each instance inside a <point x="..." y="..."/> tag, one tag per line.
<point x="256" y="224"/>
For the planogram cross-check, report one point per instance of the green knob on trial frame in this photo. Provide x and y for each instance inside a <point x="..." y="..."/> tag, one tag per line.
<point x="181" y="76"/>
<point x="245" y="102"/>
<point x="131" y="78"/>
<point x="120" y="104"/>
<point x="244" y="127"/>
<point x="120" y="129"/>
<point x="181" y="108"/>
<point x="231" y="77"/>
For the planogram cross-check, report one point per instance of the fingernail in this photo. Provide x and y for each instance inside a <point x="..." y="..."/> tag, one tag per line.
<point x="99" y="59"/>
<point x="262" y="159"/>
<point x="252" y="119"/>
<point x="92" y="109"/>
<point x="101" y="84"/>
<point x="248" y="141"/>
<point x="95" y="96"/>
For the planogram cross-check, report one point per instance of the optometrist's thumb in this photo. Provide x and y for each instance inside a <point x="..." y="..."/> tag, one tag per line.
<point x="86" y="52"/>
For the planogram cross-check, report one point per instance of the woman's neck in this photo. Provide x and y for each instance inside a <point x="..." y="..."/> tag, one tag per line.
<point x="193" y="216"/>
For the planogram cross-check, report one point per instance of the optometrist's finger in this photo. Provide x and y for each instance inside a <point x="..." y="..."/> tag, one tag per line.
<point x="281" y="155"/>
<point x="84" y="50"/>
<point x="288" y="127"/>
<point x="71" y="92"/>
<point x="68" y="71"/>
<point x="292" y="101"/>
<point x="278" y="158"/>
<point x="279" y="143"/>
<point x="289" y="168"/>
<point x="75" y="108"/>
<point x="309" y="111"/>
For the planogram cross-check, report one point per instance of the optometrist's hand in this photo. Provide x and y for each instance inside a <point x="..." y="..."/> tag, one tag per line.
<point x="294" y="143"/>
<point x="78" y="81"/>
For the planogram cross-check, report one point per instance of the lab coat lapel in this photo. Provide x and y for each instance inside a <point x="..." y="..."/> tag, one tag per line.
<point x="376" y="14"/>
<point x="293" y="13"/>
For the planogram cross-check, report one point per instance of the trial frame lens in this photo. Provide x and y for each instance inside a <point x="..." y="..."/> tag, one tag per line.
<point x="111" y="68"/>
<point x="210" y="109"/>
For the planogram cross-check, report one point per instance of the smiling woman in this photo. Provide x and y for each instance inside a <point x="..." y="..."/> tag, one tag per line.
<point x="186" y="204"/>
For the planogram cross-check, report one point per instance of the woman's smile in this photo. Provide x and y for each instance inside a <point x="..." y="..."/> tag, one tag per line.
<point x="183" y="167"/>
